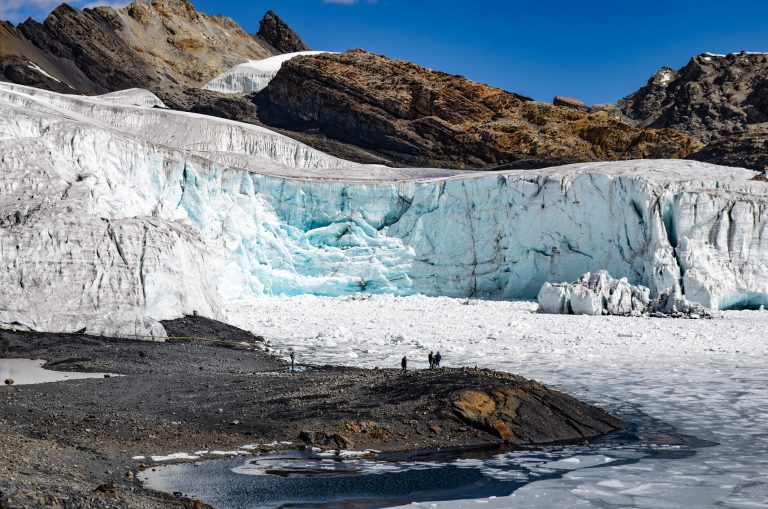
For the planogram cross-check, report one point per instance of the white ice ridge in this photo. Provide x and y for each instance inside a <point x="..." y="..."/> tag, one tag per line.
<point x="253" y="75"/>
<point x="113" y="217"/>
<point x="132" y="97"/>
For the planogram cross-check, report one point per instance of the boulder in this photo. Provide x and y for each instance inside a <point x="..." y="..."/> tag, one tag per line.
<point x="570" y="102"/>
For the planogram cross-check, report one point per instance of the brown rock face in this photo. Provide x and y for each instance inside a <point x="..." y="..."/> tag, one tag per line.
<point x="410" y="115"/>
<point x="279" y="35"/>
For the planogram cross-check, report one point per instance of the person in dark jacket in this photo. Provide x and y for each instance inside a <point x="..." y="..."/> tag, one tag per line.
<point x="438" y="358"/>
<point x="404" y="364"/>
<point x="431" y="358"/>
<point x="293" y="359"/>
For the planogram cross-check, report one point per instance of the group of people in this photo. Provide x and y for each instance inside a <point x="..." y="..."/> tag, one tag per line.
<point x="434" y="361"/>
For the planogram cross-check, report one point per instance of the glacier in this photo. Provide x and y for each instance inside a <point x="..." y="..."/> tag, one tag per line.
<point x="253" y="75"/>
<point x="116" y="214"/>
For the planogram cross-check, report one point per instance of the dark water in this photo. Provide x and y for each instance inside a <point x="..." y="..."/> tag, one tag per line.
<point x="303" y="479"/>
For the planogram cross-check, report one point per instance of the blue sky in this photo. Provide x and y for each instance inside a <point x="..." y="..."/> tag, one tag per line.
<point x="596" y="50"/>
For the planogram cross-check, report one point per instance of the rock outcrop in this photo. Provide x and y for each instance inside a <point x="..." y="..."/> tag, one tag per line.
<point x="523" y="411"/>
<point x="416" y="116"/>
<point x="600" y="294"/>
<point x="279" y="35"/>
<point x="720" y="99"/>
<point x="571" y="102"/>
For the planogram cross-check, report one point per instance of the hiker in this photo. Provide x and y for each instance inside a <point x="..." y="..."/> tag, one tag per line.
<point x="404" y="364"/>
<point x="431" y="360"/>
<point x="293" y="358"/>
<point x="438" y="357"/>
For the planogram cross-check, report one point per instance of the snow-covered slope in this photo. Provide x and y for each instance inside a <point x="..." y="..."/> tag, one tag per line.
<point x="115" y="216"/>
<point x="252" y="76"/>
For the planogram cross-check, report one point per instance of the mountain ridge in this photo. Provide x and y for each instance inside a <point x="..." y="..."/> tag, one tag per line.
<point x="172" y="50"/>
<point x="416" y="116"/>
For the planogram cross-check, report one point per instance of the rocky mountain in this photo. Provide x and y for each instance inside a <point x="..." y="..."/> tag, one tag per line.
<point x="362" y="106"/>
<point x="720" y="99"/>
<point x="409" y="115"/>
<point x="162" y="45"/>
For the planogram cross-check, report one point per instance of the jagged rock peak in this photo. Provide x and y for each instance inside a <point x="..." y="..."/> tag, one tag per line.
<point x="279" y="35"/>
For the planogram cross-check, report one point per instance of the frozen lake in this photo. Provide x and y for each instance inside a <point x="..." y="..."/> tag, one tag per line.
<point x="707" y="378"/>
<point x="31" y="371"/>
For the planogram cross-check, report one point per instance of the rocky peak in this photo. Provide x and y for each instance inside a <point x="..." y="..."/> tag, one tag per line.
<point x="710" y="97"/>
<point x="279" y="35"/>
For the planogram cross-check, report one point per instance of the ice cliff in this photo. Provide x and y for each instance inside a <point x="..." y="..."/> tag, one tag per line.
<point x="114" y="216"/>
<point x="252" y="76"/>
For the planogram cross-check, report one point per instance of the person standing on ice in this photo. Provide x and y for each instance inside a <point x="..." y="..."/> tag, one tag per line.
<point x="431" y="358"/>
<point x="293" y="358"/>
<point x="438" y="357"/>
<point x="404" y="365"/>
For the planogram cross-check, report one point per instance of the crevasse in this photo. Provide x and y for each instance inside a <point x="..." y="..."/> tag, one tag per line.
<point x="114" y="216"/>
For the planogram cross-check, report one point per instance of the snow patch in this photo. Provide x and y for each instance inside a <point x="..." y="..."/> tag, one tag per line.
<point x="175" y="457"/>
<point x="37" y="68"/>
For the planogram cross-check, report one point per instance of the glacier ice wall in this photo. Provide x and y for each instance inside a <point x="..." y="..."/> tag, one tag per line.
<point x="252" y="76"/>
<point x="114" y="216"/>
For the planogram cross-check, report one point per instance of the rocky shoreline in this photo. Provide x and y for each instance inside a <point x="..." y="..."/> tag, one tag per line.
<point x="76" y="444"/>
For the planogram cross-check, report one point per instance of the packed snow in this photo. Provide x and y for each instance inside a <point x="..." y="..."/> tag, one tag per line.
<point x="146" y="214"/>
<point x="254" y="75"/>
<point x="706" y="378"/>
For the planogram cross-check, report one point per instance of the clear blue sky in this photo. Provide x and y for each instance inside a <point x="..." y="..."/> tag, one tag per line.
<point x="597" y="50"/>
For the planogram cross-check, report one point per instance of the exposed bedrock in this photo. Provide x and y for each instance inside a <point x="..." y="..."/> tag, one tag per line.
<point x="126" y="215"/>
